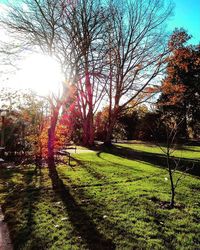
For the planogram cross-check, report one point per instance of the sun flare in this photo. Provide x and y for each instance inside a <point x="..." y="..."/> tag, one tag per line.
<point x="39" y="73"/>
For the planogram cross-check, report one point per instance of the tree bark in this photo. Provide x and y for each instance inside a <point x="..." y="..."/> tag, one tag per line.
<point x="85" y="132"/>
<point x="88" y="130"/>
<point x="88" y="124"/>
<point x="51" y="136"/>
<point x="109" y="131"/>
<point x="171" y="181"/>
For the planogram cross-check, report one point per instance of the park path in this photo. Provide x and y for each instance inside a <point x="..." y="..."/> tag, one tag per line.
<point x="5" y="242"/>
<point x="80" y="151"/>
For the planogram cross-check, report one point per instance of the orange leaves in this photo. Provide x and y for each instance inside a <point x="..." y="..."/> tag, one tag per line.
<point x="182" y="59"/>
<point x="178" y="39"/>
<point x="182" y="71"/>
<point x="197" y="62"/>
<point x="25" y="114"/>
<point x="151" y="90"/>
<point x="174" y="93"/>
<point x="43" y="139"/>
<point x="63" y="134"/>
<point x="100" y="122"/>
<point x="169" y="88"/>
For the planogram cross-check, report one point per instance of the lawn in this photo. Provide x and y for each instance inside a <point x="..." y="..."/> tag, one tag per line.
<point x="187" y="152"/>
<point x="110" y="201"/>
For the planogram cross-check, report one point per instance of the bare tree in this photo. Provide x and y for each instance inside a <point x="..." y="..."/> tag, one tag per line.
<point x="101" y="46"/>
<point x="176" y="171"/>
<point x="86" y="30"/>
<point x="136" y="51"/>
<point x="72" y="33"/>
<point x="37" y="25"/>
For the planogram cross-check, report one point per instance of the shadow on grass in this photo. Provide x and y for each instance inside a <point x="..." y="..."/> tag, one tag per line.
<point x="78" y="217"/>
<point x="24" y="196"/>
<point x="117" y="164"/>
<point x="104" y="178"/>
<point x="185" y="148"/>
<point x="89" y="169"/>
<point x="118" y="226"/>
<point x="193" y="166"/>
<point x="101" y="208"/>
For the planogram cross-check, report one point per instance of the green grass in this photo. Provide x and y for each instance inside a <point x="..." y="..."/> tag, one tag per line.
<point x="188" y="152"/>
<point x="110" y="202"/>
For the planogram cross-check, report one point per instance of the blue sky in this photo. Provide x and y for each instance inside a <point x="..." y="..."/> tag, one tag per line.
<point x="186" y="15"/>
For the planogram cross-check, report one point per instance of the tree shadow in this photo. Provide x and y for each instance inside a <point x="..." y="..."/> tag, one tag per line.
<point x="159" y="160"/>
<point x="136" y="242"/>
<point x="90" y="170"/>
<point x="99" y="209"/>
<point x="116" y="164"/>
<point x="97" y="175"/>
<point x="25" y="197"/>
<point x="185" y="148"/>
<point x="78" y="217"/>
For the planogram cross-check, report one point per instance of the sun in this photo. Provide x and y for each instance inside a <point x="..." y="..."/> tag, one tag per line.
<point x="39" y="73"/>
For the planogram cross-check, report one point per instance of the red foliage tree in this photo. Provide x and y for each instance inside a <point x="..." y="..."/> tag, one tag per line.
<point x="181" y="87"/>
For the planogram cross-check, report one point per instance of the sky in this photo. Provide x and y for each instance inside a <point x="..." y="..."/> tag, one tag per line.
<point x="187" y="15"/>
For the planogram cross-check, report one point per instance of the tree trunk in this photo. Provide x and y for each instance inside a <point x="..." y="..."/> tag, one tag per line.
<point x="91" y="128"/>
<point x="51" y="136"/>
<point x="88" y="131"/>
<point x="171" y="182"/>
<point x="85" y="132"/>
<point x="88" y="124"/>
<point x="172" y="189"/>
<point x="109" y="131"/>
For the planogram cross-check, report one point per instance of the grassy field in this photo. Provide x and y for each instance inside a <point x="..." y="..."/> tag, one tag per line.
<point x="114" y="199"/>
<point x="187" y="152"/>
